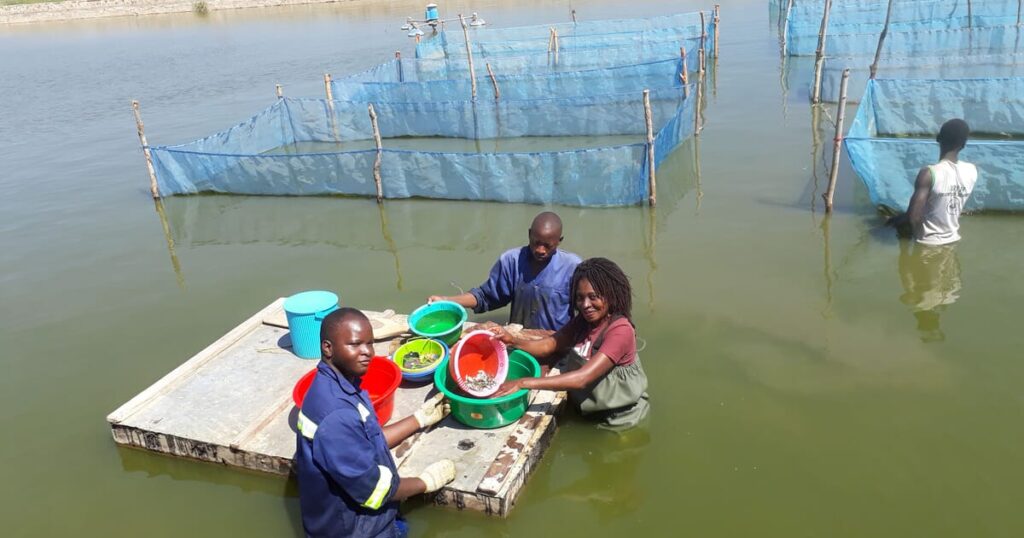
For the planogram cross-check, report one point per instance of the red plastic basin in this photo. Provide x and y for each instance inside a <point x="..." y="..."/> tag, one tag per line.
<point x="380" y="381"/>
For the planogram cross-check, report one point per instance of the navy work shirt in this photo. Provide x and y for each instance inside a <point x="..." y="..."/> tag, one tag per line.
<point x="539" y="301"/>
<point x="346" y="474"/>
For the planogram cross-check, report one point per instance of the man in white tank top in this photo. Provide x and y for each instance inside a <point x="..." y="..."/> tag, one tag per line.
<point x="941" y="190"/>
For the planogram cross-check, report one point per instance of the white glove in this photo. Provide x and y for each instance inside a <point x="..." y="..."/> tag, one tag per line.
<point x="432" y="411"/>
<point x="437" y="474"/>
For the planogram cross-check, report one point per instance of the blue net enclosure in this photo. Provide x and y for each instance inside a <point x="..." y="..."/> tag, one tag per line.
<point x="434" y="150"/>
<point x="598" y="81"/>
<point x="587" y="35"/>
<point x="423" y="70"/>
<point x="854" y="25"/>
<point x="951" y="66"/>
<point x="893" y="136"/>
<point x="573" y="137"/>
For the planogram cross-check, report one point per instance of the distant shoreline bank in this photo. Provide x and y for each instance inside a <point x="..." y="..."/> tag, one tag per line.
<point x="95" y="9"/>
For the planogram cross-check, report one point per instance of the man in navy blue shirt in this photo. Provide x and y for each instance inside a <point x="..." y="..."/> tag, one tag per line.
<point x="534" y="279"/>
<point x="348" y="483"/>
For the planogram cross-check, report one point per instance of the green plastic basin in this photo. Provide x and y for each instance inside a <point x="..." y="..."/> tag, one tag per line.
<point x="489" y="413"/>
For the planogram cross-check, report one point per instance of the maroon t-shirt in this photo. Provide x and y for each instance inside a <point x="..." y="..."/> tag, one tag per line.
<point x="619" y="343"/>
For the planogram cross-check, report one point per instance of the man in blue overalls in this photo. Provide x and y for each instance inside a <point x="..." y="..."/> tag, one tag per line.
<point x="348" y="483"/>
<point x="534" y="279"/>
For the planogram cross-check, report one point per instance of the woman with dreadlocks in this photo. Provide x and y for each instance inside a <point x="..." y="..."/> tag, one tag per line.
<point x="601" y="371"/>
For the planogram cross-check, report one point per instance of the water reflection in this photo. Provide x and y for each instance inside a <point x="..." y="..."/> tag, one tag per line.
<point x="159" y="206"/>
<point x="446" y="226"/>
<point x="930" y="276"/>
<point x="592" y="457"/>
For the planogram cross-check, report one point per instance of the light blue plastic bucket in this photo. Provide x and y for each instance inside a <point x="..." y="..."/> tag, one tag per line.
<point x="306" y="312"/>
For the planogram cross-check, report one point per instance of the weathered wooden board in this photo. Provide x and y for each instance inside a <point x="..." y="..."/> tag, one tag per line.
<point x="231" y="404"/>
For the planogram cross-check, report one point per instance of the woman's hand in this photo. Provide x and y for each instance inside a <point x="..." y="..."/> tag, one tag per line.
<point x="509" y="387"/>
<point x="503" y="336"/>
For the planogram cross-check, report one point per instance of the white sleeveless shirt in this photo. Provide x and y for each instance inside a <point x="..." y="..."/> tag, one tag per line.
<point x="952" y="183"/>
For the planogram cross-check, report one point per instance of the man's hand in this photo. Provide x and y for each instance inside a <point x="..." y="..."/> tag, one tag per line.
<point x="437" y="474"/>
<point x="434" y="298"/>
<point x="432" y="411"/>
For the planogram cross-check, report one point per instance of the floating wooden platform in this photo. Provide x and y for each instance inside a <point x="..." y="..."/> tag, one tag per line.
<point x="232" y="404"/>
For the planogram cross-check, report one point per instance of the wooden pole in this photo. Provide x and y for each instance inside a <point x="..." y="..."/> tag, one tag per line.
<point x="574" y="16"/>
<point x="330" y="105"/>
<point x="970" y="15"/>
<point x="881" y="40"/>
<point x="551" y="39"/>
<point x="494" y="81"/>
<point x="380" y="152"/>
<point x="145" y="150"/>
<point x="398" y="63"/>
<point x="703" y="39"/>
<point x="785" y="26"/>
<point x="279" y="90"/>
<point x="702" y="62"/>
<point x="555" y="34"/>
<point x="717" y="21"/>
<point x="697" y="124"/>
<point x="683" y="75"/>
<point x="1020" y="5"/>
<point x="652" y="181"/>
<point x="469" y="54"/>
<point x="819" y="59"/>
<point x="837" y="146"/>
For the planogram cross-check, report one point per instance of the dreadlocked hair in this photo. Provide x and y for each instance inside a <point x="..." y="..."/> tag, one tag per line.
<point x="609" y="282"/>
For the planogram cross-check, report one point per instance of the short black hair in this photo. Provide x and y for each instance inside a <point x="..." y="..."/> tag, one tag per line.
<point x="609" y="281"/>
<point x="338" y="317"/>
<point x="953" y="134"/>
<point x="547" y="220"/>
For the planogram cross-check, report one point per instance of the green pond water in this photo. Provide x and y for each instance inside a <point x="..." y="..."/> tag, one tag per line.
<point x="810" y="376"/>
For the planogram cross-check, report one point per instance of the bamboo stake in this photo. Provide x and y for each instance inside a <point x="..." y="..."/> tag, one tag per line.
<point x="697" y="124"/>
<point x="702" y="62"/>
<point x="330" y="105"/>
<point x="380" y="152"/>
<point x="469" y="54"/>
<point x="145" y="150"/>
<point x="819" y="59"/>
<point x="703" y="40"/>
<point x="574" y="16"/>
<point x="279" y="91"/>
<point x="555" y="30"/>
<point x="785" y="26"/>
<point x="652" y="182"/>
<point x="683" y="75"/>
<point x="551" y="39"/>
<point x="881" y="40"/>
<point x="837" y="146"/>
<point x="494" y="81"/>
<point x="1020" y="5"/>
<point x="717" y="20"/>
<point x="398" y="63"/>
<point x="970" y="15"/>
